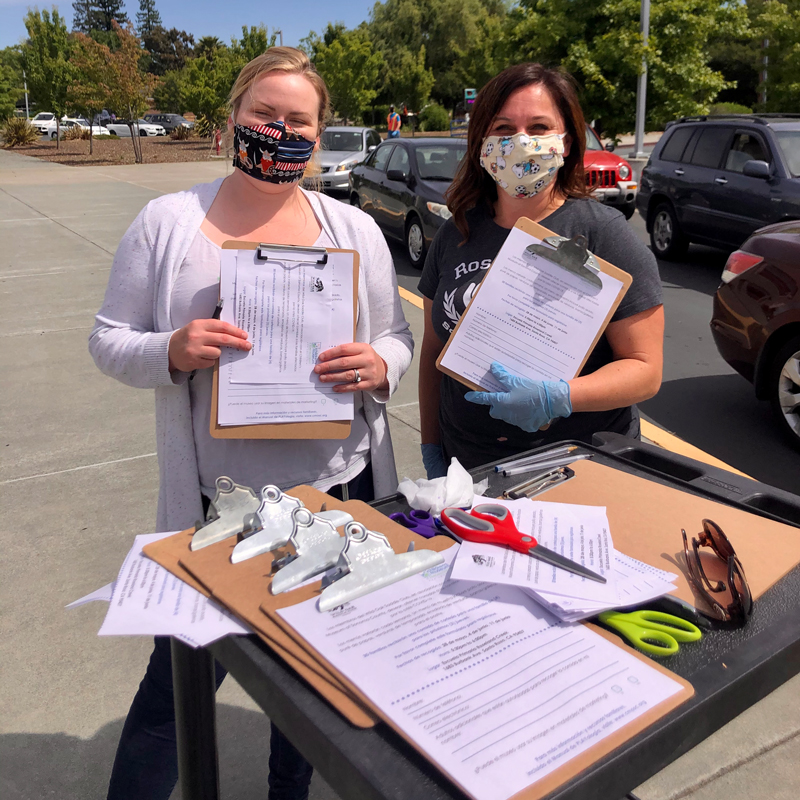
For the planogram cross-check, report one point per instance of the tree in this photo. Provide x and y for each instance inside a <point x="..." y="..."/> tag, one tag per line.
<point x="147" y="18"/>
<point x="310" y="44"/>
<point x="350" y="67"/>
<point x="168" y="49"/>
<point x="93" y="75"/>
<point x="206" y="85"/>
<point x="82" y="16"/>
<point x="255" y="41"/>
<point x="408" y="81"/>
<point x="208" y="47"/>
<point x="46" y="59"/>
<point x="104" y="13"/>
<point x="778" y="23"/>
<point x="10" y="81"/>
<point x="599" y="43"/>
<point x="169" y="94"/>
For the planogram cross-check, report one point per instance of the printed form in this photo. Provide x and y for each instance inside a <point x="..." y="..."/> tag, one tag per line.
<point x="489" y="686"/>
<point x="536" y="318"/>
<point x="292" y="314"/>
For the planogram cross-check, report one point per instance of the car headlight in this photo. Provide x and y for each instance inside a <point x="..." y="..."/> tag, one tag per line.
<point x="347" y="165"/>
<point x="624" y="172"/>
<point x="440" y="210"/>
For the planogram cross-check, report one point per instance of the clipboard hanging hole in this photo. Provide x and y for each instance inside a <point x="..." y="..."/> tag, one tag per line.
<point x="225" y="484"/>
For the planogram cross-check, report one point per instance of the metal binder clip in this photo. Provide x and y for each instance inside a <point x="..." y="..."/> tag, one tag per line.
<point x="228" y="515"/>
<point x="317" y="255"/>
<point x="539" y="483"/>
<point x="317" y="544"/>
<point x="269" y="526"/>
<point x="571" y="254"/>
<point x="366" y="563"/>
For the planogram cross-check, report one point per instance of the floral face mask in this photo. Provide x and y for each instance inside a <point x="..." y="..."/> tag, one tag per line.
<point x="272" y="153"/>
<point x="523" y="165"/>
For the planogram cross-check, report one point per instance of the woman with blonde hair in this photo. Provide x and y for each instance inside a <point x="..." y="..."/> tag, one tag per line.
<point x="156" y="330"/>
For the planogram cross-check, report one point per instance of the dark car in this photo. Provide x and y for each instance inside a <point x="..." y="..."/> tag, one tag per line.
<point x="716" y="180"/>
<point x="401" y="185"/>
<point x="756" y="321"/>
<point x="168" y="121"/>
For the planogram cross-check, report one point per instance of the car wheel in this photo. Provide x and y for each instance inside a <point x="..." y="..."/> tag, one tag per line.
<point x="54" y="136"/>
<point x="355" y="200"/>
<point x="142" y="133"/>
<point x="415" y="242"/>
<point x="666" y="237"/>
<point x="784" y="389"/>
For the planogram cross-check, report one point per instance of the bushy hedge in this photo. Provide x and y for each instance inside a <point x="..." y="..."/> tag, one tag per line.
<point x="434" y="118"/>
<point x="730" y="108"/>
<point x="17" y="131"/>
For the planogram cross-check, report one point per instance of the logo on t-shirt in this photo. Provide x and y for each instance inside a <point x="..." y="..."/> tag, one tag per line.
<point x="465" y="267"/>
<point x="455" y="303"/>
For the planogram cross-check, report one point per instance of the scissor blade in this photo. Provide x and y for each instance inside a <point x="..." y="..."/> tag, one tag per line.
<point x="551" y="557"/>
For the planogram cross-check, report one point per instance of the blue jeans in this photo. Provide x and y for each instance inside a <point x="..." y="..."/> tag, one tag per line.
<point x="146" y="764"/>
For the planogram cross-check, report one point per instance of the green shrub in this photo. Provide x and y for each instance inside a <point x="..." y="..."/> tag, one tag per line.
<point x="204" y="126"/>
<point x="434" y="118"/>
<point x="17" y="131"/>
<point x="75" y="133"/>
<point x="181" y="133"/>
<point x="729" y="108"/>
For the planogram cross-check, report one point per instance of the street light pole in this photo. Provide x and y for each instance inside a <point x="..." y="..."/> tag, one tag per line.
<point x="280" y="33"/>
<point x="641" y="89"/>
<point x="25" y="84"/>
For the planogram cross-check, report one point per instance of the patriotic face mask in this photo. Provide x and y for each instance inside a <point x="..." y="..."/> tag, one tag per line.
<point x="272" y="153"/>
<point x="523" y="165"/>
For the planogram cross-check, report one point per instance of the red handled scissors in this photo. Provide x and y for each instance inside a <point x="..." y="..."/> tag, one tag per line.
<point x="489" y="523"/>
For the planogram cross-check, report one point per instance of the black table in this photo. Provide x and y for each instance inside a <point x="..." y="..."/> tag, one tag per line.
<point x="730" y="671"/>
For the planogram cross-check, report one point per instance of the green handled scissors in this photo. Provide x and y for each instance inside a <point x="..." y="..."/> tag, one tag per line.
<point x="652" y="632"/>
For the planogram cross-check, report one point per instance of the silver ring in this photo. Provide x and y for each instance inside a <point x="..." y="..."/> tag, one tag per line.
<point x="357" y="378"/>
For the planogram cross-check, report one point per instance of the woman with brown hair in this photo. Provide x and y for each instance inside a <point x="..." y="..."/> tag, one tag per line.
<point x="533" y="112"/>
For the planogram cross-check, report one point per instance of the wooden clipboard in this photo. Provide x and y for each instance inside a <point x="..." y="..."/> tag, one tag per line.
<point x="534" y="229"/>
<point x="338" y="429"/>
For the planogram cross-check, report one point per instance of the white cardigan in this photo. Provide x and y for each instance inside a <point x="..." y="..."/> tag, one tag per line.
<point x="131" y="335"/>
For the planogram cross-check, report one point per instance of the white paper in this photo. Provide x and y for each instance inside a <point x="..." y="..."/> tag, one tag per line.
<point x="149" y="600"/>
<point x="491" y="688"/>
<point x="103" y="594"/>
<point x="580" y="533"/>
<point x="534" y="317"/>
<point x="279" y="400"/>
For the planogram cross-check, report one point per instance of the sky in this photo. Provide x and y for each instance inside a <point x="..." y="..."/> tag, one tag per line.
<point x="209" y="17"/>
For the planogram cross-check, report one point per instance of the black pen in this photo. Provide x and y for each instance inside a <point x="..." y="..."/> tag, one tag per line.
<point x="215" y="315"/>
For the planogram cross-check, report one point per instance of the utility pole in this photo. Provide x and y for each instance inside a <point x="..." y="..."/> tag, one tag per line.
<point x="641" y="89"/>
<point x="764" y="73"/>
<point x="280" y="33"/>
<point x="25" y="84"/>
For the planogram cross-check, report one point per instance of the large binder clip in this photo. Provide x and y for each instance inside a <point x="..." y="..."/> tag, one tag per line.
<point x="366" y="563"/>
<point x="228" y="514"/>
<point x="318" y="256"/>
<point x="269" y="526"/>
<point x="571" y="254"/>
<point x="317" y="546"/>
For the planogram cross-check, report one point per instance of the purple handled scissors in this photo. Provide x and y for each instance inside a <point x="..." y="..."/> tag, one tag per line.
<point x="421" y="522"/>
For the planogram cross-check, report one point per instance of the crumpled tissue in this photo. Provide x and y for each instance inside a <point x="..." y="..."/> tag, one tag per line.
<point x="456" y="489"/>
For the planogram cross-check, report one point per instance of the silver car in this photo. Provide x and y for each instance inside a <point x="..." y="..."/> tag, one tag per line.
<point x="342" y="148"/>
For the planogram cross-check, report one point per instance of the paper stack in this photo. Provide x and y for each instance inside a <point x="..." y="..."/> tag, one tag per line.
<point x="581" y="533"/>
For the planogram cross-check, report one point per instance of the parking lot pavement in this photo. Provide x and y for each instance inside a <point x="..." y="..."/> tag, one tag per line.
<point x="78" y="479"/>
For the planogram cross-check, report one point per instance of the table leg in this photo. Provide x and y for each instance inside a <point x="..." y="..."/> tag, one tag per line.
<point x="195" y="721"/>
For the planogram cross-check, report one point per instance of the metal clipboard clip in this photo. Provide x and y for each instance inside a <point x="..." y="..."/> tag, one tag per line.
<point x="539" y="483"/>
<point x="317" y="546"/>
<point x="367" y="562"/>
<point x="228" y="515"/>
<point x="317" y="256"/>
<point x="269" y="526"/>
<point x="571" y="254"/>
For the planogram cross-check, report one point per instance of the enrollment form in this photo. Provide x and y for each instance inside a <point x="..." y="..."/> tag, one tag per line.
<point x="536" y="318"/>
<point x="481" y="678"/>
<point x="291" y="312"/>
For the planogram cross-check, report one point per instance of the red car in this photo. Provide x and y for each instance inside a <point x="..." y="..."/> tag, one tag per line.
<point x="756" y="320"/>
<point x="611" y="176"/>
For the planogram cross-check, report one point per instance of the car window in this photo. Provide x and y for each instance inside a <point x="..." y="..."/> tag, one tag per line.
<point x="347" y="141"/>
<point x="400" y="160"/>
<point x="438" y="162"/>
<point x="592" y="142"/>
<point x="745" y="147"/>
<point x="676" y="144"/>
<point x="380" y="157"/>
<point x="789" y="142"/>
<point x="373" y="139"/>
<point x="710" y="147"/>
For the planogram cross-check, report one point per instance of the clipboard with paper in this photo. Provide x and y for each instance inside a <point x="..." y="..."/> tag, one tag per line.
<point x="540" y="310"/>
<point x="294" y="302"/>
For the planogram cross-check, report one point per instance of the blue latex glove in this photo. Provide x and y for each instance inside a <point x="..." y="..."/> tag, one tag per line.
<point x="527" y="404"/>
<point x="433" y="461"/>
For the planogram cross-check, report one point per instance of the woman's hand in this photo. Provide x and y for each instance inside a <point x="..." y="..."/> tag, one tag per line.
<point x="197" y="345"/>
<point x="339" y="364"/>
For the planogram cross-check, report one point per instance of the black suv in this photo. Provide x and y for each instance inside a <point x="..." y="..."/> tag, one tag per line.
<point x="715" y="180"/>
<point x="168" y="121"/>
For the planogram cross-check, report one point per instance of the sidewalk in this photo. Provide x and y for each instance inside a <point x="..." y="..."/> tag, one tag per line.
<point x="78" y="479"/>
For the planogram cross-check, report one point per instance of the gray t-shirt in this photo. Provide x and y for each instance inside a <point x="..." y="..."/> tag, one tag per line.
<point x="454" y="271"/>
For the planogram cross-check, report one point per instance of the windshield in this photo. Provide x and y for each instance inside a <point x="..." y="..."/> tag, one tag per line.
<point x="439" y="162"/>
<point x="347" y="141"/>
<point x="592" y="142"/>
<point x="44" y="116"/>
<point x="790" y="145"/>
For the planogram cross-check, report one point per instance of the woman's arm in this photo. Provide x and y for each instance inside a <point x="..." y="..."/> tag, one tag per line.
<point x="429" y="380"/>
<point x="635" y="374"/>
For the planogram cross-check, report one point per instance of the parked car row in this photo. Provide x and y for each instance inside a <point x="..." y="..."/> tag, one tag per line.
<point x="121" y="128"/>
<point x="149" y="125"/>
<point x="47" y="125"/>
